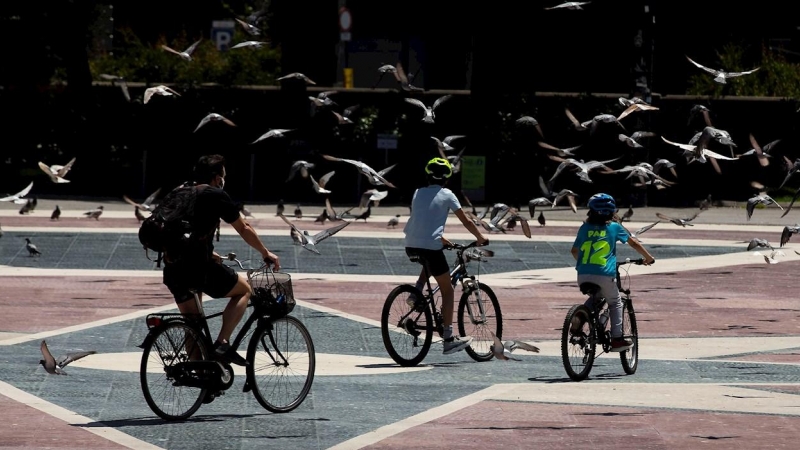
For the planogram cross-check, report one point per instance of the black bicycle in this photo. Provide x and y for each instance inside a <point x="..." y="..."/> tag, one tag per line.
<point x="587" y="326"/>
<point x="178" y="371"/>
<point x="409" y="316"/>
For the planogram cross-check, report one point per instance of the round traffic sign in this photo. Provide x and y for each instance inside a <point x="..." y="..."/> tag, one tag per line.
<point x="345" y="19"/>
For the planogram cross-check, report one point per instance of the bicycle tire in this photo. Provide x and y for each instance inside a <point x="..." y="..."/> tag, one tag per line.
<point x="280" y="338"/>
<point x="480" y="348"/>
<point x="390" y="331"/>
<point x="174" y="354"/>
<point x="629" y="358"/>
<point x="586" y="343"/>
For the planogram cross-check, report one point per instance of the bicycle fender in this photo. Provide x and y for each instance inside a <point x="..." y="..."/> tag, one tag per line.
<point x="154" y="331"/>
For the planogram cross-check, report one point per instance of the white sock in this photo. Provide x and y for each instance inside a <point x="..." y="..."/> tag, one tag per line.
<point x="448" y="332"/>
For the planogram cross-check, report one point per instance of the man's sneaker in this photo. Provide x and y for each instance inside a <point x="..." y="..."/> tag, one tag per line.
<point x="456" y="344"/>
<point x="620" y="345"/>
<point x="224" y="352"/>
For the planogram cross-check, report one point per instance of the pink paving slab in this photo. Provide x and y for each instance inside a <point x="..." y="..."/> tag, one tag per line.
<point x="518" y="425"/>
<point x="28" y="428"/>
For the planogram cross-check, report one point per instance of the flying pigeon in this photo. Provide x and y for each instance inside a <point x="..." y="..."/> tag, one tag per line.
<point x="146" y="205"/>
<point x="57" y="172"/>
<point x="158" y="90"/>
<point x="319" y="186"/>
<point x="309" y="242"/>
<point x="503" y="350"/>
<point x="719" y="75"/>
<point x="19" y="197"/>
<point x="297" y="76"/>
<point x="299" y="166"/>
<point x="375" y="178"/>
<point x="214" y="117"/>
<point x="787" y="233"/>
<point x="57" y="367"/>
<point x="251" y="29"/>
<point x="185" y="55"/>
<point x="680" y="222"/>
<point x="759" y="243"/>
<point x="428" y="114"/>
<point x="764" y="199"/>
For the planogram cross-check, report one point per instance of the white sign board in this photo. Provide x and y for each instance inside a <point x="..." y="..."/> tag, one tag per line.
<point x="222" y="33"/>
<point x="344" y="36"/>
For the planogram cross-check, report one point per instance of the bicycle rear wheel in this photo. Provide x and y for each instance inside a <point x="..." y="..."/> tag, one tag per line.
<point x="630" y="357"/>
<point x="480" y="311"/>
<point x="407" y="331"/>
<point x="578" y="343"/>
<point x="161" y="371"/>
<point x="281" y="365"/>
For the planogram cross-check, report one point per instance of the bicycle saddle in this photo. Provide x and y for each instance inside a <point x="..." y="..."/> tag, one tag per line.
<point x="589" y="288"/>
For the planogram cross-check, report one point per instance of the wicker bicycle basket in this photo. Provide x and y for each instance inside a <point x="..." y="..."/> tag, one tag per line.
<point x="272" y="292"/>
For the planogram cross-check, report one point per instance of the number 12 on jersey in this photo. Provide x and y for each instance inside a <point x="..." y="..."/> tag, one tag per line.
<point x="595" y="252"/>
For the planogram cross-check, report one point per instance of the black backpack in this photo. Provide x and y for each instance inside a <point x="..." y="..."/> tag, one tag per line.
<point x="168" y="229"/>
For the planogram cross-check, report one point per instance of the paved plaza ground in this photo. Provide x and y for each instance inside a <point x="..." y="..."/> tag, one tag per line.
<point x="719" y="341"/>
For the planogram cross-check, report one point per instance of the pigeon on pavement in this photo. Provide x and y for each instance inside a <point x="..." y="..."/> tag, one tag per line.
<point x="56" y="367"/>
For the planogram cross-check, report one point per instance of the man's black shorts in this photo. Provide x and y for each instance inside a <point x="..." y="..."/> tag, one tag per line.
<point x="437" y="263"/>
<point x="213" y="279"/>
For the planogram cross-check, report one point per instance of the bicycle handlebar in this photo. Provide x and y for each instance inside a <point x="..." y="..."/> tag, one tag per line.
<point x="638" y="262"/>
<point x="456" y="246"/>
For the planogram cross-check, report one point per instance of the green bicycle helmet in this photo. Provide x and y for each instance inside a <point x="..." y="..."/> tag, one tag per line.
<point x="439" y="169"/>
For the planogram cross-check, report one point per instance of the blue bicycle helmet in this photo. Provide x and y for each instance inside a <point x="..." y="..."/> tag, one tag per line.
<point x="602" y="204"/>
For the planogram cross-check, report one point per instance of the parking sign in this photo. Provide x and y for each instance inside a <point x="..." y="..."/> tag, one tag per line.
<point x="222" y="33"/>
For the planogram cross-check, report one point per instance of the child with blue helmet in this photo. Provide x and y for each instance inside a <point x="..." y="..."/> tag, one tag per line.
<point x="595" y="253"/>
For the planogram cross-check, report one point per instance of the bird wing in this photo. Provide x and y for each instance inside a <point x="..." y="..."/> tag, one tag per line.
<point x="526" y="228"/>
<point x="789" y="208"/>
<point x="738" y="74"/>
<point x="48" y="357"/>
<point x="441" y="100"/>
<point x="74" y="357"/>
<point x="324" y="179"/>
<point x="572" y="118"/>
<point x="131" y="202"/>
<point x="171" y="50"/>
<point x="498" y="348"/>
<point x="19" y="194"/>
<point x="46" y="169"/>
<point x="628" y="111"/>
<point x="785" y="235"/>
<point x="325" y="234"/>
<point x="63" y="171"/>
<point x="192" y="47"/>
<point x="386" y="170"/>
<point x="645" y="228"/>
<point x="687" y="147"/>
<point x="663" y="217"/>
<point x="204" y="121"/>
<point x="513" y="345"/>
<point x="711" y="71"/>
<point x="149" y="200"/>
<point x="417" y="103"/>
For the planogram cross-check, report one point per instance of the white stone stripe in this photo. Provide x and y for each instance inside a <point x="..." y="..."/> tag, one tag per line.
<point x="727" y="398"/>
<point x="73" y="418"/>
<point x="386" y="431"/>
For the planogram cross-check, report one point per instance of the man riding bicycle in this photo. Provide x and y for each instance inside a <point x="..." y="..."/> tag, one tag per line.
<point x="424" y="239"/>
<point x="199" y="268"/>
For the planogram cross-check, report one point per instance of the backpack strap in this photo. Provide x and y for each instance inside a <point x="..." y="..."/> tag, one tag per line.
<point x="158" y="259"/>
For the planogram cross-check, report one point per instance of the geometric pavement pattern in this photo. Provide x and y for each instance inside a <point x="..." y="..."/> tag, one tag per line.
<point x="719" y="349"/>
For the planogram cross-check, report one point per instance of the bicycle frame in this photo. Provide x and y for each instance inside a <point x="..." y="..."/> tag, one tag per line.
<point x="458" y="273"/>
<point x="601" y="336"/>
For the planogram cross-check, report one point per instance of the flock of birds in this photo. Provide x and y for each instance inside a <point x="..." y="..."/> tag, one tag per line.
<point x="496" y="218"/>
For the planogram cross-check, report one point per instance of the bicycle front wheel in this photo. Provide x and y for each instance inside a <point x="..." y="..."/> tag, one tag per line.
<point x="478" y="316"/>
<point x="578" y="343"/>
<point x="281" y="365"/>
<point x="163" y="377"/>
<point x="407" y="330"/>
<point x="630" y="357"/>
